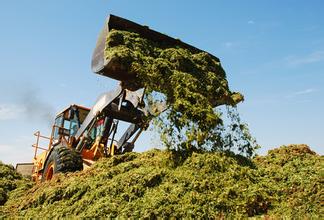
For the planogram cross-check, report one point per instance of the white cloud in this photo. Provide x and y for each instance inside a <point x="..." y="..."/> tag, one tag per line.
<point x="5" y="148"/>
<point x="5" y="152"/>
<point x="15" y="153"/>
<point x="251" y="22"/>
<point x="314" y="57"/>
<point x="301" y="92"/>
<point x="234" y="44"/>
<point x="306" y="91"/>
<point x="62" y="85"/>
<point x="18" y="150"/>
<point x="228" y="44"/>
<point x="11" y="111"/>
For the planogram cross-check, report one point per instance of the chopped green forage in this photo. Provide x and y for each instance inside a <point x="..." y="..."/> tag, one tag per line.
<point x="10" y="180"/>
<point x="286" y="183"/>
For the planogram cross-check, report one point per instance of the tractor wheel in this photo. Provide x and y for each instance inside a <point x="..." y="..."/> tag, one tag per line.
<point x="62" y="160"/>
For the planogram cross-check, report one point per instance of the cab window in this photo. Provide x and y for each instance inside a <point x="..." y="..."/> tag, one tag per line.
<point x="58" y="123"/>
<point x="67" y="124"/>
<point x="74" y="127"/>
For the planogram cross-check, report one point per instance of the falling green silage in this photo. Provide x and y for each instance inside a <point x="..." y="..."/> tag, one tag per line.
<point x="192" y="83"/>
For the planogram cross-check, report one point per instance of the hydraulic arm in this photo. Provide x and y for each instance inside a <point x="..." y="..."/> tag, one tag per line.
<point x="120" y="104"/>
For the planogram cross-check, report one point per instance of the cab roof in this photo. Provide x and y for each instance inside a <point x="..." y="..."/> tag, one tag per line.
<point x="73" y="105"/>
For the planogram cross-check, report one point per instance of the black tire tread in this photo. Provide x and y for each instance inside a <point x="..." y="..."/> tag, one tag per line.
<point x="65" y="160"/>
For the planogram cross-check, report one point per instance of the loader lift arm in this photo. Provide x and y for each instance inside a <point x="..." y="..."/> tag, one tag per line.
<point x="120" y="104"/>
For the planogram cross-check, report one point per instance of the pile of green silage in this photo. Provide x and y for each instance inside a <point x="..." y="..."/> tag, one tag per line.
<point x="286" y="182"/>
<point x="9" y="181"/>
<point x="192" y="82"/>
<point x="295" y="176"/>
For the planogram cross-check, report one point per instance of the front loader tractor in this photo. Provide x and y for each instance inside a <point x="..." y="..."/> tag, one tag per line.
<point x="80" y="135"/>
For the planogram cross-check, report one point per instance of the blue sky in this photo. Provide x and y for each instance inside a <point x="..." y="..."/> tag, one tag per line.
<point x="272" y="51"/>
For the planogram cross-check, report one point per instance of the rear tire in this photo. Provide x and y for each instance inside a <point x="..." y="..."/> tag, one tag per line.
<point x="62" y="160"/>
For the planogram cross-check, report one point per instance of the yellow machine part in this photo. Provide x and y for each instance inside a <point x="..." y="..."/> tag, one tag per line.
<point x="39" y="163"/>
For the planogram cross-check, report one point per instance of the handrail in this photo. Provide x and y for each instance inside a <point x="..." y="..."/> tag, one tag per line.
<point x="50" y="139"/>
<point x="38" y="134"/>
<point x="36" y="145"/>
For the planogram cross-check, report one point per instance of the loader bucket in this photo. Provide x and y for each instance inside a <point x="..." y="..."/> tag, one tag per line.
<point x="111" y="69"/>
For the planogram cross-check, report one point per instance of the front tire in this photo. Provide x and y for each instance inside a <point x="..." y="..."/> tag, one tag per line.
<point x="61" y="160"/>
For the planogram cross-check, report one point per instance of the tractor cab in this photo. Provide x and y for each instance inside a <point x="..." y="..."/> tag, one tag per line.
<point x="67" y="123"/>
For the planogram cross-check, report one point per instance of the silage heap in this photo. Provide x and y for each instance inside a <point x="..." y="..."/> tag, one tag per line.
<point x="193" y="83"/>
<point x="286" y="182"/>
<point x="9" y="181"/>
